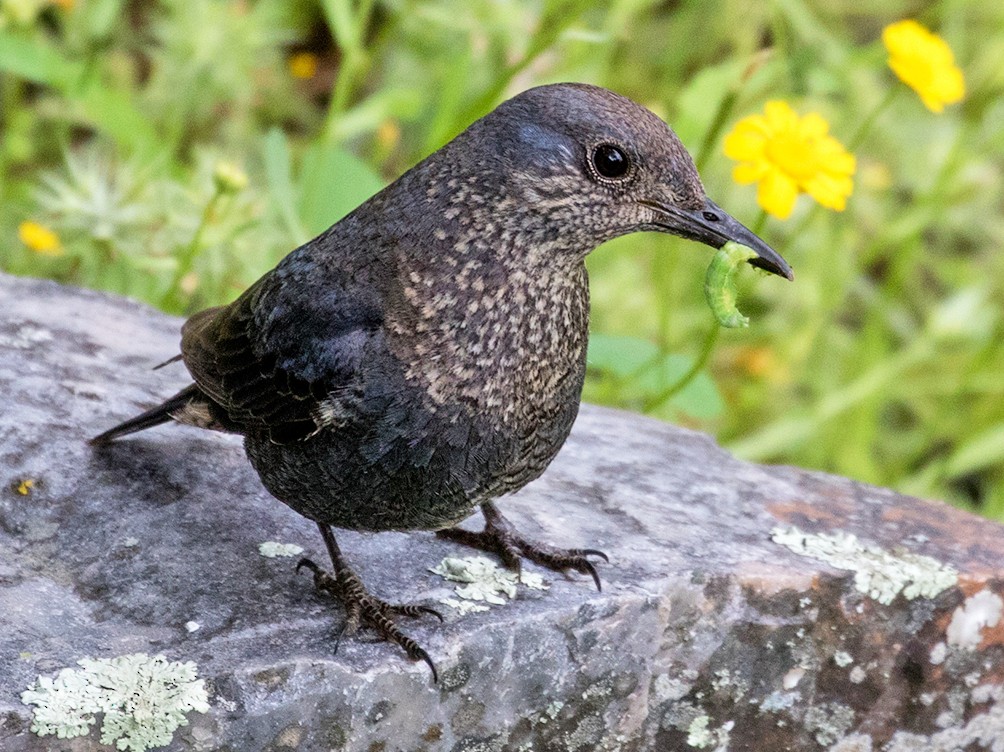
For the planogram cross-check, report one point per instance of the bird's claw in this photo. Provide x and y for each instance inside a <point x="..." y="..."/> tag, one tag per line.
<point x="562" y="559"/>
<point x="500" y="537"/>
<point x="363" y="609"/>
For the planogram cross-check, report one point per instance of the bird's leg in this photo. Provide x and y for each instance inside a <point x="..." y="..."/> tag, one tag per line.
<point x="500" y="537"/>
<point x="361" y="608"/>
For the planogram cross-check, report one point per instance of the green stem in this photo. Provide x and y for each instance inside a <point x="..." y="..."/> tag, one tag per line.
<point x="866" y="124"/>
<point x="724" y="112"/>
<point x="8" y="104"/>
<point x="186" y="260"/>
<point x="348" y="29"/>
<point x="780" y="437"/>
<point x="721" y="117"/>
<point x="552" y="24"/>
<point x="673" y="389"/>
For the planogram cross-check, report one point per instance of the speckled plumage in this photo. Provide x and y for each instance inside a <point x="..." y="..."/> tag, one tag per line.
<point x="426" y="354"/>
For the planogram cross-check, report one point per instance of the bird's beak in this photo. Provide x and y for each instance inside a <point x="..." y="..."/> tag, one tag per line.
<point x="713" y="226"/>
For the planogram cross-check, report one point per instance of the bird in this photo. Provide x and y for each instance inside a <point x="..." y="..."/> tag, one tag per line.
<point x="426" y="354"/>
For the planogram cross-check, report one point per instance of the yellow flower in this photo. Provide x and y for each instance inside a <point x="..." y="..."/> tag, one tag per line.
<point x="39" y="238"/>
<point x="303" y="65"/>
<point x="924" y="62"/>
<point x="762" y="363"/>
<point x="388" y="134"/>
<point x="786" y="154"/>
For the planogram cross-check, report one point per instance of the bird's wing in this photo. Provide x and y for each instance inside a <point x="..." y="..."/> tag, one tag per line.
<point x="286" y="356"/>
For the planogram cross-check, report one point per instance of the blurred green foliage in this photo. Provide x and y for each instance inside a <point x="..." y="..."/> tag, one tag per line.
<point x="883" y="361"/>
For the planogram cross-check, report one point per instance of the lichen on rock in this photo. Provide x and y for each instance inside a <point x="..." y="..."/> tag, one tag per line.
<point x="483" y="581"/>
<point x="878" y="573"/>
<point x="275" y="550"/>
<point x="144" y="700"/>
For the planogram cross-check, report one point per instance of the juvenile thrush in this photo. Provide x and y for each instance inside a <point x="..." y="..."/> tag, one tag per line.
<point x="425" y="355"/>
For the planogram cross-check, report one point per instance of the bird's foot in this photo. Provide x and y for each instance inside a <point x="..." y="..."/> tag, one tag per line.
<point x="365" y="610"/>
<point x="500" y="537"/>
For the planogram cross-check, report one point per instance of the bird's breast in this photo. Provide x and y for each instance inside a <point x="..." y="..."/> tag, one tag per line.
<point x="510" y="348"/>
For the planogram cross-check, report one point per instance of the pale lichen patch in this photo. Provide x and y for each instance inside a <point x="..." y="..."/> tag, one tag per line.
<point x="842" y="658"/>
<point x="666" y="687"/>
<point x="553" y="709"/>
<point x="853" y="743"/>
<point x="702" y="736"/>
<point x="775" y="702"/>
<point x="143" y="699"/>
<point x="828" y="722"/>
<point x="483" y="581"/>
<point x="980" y="611"/>
<point x="979" y="731"/>
<point x="698" y="734"/>
<point x="880" y="574"/>
<point x="273" y="549"/>
<point x="938" y="654"/>
<point x="464" y="607"/>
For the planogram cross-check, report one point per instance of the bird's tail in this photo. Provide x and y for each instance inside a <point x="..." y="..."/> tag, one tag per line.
<point x="153" y="417"/>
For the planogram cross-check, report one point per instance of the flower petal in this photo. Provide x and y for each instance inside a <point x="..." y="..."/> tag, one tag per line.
<point x="830" y="191"/>
<point x="924" y="62"/>
<point x="834" y="157"/>
<point x="780" y="116"/>
<point x="749" y="172"/>
<point x="745" y="142"/>
<point x="813" y="125"/>
<point x="777" y="193"/>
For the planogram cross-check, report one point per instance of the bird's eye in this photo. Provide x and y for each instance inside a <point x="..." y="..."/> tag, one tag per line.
<point x="610" y="161"/>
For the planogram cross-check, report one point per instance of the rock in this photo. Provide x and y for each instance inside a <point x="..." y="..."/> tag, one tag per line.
<point x="744" y="607"/>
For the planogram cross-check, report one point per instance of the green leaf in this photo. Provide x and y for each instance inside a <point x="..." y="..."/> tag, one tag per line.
<point x="113" y="113"/>
<point x="101" y="16"/>
<point x="333" y="182"/>
<point x="696" y="105"/>
<point x="984" y="449"/>
<point x="338" y="14"/>
<point x="366" y="116"/>
<point x="700" y="398"/>
<point x="279" y="176"/>
<point x="620" y="356"/>
<point x="35" y="61"/>
<point x="644" y="373"/>
<point x="108" y="110"/>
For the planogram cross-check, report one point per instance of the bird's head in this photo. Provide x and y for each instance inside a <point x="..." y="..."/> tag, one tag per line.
<point x="591" y="165"/>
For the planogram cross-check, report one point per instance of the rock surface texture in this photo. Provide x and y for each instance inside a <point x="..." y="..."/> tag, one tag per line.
<point x="744" y="607"/>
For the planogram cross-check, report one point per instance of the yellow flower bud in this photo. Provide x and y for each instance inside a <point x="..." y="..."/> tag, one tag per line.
<point x="229" y="178"/>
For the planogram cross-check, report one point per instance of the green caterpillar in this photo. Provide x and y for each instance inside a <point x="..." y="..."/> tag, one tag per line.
<point x="720" y="288"/>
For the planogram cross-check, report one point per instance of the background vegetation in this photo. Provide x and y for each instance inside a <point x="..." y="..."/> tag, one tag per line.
<point x="176" y="150"/>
